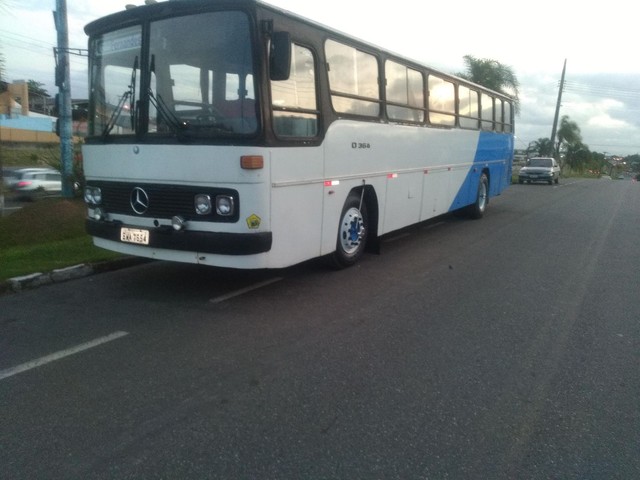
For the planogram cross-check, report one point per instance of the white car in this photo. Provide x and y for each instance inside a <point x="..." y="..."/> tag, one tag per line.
<point x="540" y="169"/>
<point x="31" y="183"/>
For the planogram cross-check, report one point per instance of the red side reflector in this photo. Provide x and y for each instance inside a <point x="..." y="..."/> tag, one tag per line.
<point x="252" y="162"/>
<point x="392" y="175"/>
<point x="23" y="183"/>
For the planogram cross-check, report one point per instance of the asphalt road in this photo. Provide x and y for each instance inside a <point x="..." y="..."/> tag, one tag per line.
<point x="505" y="348"/>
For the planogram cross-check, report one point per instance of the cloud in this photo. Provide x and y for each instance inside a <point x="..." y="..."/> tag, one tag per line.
<point x="598" y="67"/>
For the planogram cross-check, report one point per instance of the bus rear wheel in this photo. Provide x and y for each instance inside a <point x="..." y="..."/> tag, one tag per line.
<point x="352" y="232"/>
<point x="477" y="209"/>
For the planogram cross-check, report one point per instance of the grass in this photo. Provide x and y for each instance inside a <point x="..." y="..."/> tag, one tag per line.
<point x="29" y="155"/>
<point x="44" y="236"/>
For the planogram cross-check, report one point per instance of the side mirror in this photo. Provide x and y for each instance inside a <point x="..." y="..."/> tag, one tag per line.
<point x="280" y="56"/>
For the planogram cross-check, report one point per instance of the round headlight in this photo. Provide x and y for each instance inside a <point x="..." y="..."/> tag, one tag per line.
<point x="203" y="204"/>
<point x="93" y="195"/>
<point x="224" y="205"/>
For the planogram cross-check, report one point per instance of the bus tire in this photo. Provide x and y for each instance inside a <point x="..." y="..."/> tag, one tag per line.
<point x="477" y="209"/>
<point x="353" y="232"/>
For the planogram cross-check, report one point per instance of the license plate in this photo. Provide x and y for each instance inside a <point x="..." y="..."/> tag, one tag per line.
<point x="134" y="235"/>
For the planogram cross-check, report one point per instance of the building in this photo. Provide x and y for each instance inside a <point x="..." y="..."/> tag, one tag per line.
<point x="17" y="123"/>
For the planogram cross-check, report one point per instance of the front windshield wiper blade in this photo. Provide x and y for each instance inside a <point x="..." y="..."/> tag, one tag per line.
<point x="130" y="95"/>
<point x="168" y="116"/>
<point x="171" y="119"/>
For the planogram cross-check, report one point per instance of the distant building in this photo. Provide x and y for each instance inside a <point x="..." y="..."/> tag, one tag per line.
<point x="18" y="124"/>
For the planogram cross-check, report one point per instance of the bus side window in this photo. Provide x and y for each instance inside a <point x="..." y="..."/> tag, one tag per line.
<point x="442" y="102"/>
<point x="468" y="108"/>
<point x="294" y="101"/>
<point x="487" y="111"/>
<point x="353" y="80"/>
<point x="405" y="93"/>
<point x="508" y="118"/>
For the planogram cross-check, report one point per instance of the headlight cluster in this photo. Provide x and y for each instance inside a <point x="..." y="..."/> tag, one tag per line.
<point x="224" y="205"/>
<point x="93" y="199"/>
<point x="92" y="195"/>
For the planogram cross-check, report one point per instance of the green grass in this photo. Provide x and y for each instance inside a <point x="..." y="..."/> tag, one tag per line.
<point x="30" y="155"/>
<point x="44" y="236"/>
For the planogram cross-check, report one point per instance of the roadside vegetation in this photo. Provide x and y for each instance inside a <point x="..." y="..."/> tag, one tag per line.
<point x="46" y="235"/>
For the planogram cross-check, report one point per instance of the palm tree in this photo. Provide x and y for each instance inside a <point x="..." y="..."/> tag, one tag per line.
<point x="494" y="75"/>
<point x="569" y="139"/>
<point x="542" y="147"/>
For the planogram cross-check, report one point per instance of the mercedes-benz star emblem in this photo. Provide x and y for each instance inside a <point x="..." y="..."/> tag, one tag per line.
<point x="139" y="200"/>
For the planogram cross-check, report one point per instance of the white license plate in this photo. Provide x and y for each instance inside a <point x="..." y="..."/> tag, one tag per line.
<point x="134" y="235"/>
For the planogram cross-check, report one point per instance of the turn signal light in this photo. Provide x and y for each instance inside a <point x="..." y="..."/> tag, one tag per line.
<point x="252" y="162"/>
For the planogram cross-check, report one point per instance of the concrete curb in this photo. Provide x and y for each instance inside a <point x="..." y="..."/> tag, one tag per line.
<point x="36" y="280"/>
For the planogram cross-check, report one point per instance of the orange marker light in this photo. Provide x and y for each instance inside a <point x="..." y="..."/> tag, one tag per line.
<point x="252" y="162"/>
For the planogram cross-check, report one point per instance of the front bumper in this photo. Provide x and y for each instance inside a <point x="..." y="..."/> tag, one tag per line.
<point x="190" y="241"/>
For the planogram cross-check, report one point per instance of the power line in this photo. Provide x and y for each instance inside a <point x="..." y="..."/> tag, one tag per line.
<point x="602" y="90"/>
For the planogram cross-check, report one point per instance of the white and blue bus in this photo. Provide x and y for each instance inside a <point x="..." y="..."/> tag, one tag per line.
<point x="236" y="134"/>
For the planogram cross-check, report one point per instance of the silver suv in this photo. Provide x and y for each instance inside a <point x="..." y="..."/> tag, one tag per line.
<point x="540" y="169"/>
<point x="31" y="183"/>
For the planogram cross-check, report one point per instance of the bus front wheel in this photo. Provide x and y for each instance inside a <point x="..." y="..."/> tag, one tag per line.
<point x="352" y="232"/>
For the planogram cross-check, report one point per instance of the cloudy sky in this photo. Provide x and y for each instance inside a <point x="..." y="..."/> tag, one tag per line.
<point x="598" y="40"/>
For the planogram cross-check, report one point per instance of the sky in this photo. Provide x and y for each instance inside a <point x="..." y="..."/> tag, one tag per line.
<point x="598" y="40"/>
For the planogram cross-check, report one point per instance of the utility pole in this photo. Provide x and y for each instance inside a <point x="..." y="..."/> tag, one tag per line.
<point x="63" y="82"/>
<point x="555" y="119"/>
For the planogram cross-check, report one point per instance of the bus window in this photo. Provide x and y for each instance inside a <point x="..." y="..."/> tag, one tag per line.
<point x="508" y="119"/>
<point x="294" y="100"/>
<point x="235" y="91"/>
<point x="353" y="79"/>
<point x="115" y="81"/>
<point x="468" y="107"/>
<point x="498" y="115"/>
<point x="203" y="87"/>
<point x="405" y="93"/>
<point x="441" y="102"/>
<point x="487" y="111"/>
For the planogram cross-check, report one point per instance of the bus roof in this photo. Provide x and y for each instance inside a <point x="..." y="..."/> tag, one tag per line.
<point x="170" y="8"/>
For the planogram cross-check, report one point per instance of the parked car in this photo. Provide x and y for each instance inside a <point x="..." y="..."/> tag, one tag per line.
<point x="32" y="183"/>
<point x="540" y="169"/>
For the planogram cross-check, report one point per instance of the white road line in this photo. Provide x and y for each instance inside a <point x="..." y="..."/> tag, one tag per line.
<point x="242" y="291"/>
<point x="9" y="372"/>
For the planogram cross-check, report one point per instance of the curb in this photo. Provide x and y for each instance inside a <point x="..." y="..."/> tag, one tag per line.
<point x="36" y="280"/>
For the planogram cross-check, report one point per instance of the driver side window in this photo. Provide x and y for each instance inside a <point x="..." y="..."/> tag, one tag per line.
<point x="294" y="102"/>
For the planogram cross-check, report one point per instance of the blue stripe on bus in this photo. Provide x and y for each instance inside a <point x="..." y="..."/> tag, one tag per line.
<point x="492" y="148"/>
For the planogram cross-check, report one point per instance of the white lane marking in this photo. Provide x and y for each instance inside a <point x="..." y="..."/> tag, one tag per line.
<point x="9" y="372"/>
<point x="242" y="291"/>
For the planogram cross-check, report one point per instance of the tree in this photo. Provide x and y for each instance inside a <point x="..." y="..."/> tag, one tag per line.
<point x="577" y="156"/>
<point x="37" y="96"/>
<point x="494" y="75"/>
<point x="542" y="147"/>
<point x="569" y="141"/>
<point x="36" y="87"/>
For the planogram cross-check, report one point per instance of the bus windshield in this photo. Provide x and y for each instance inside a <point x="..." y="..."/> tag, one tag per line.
<point x="197" y="80"/>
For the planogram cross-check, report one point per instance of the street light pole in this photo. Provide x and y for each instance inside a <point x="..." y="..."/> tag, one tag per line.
<point x="64" y="97"/>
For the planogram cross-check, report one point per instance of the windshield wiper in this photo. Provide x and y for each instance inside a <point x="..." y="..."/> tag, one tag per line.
<point x="130" y="95"/>
<point x="170" y="118"/>
<point x="167" y="115"/>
